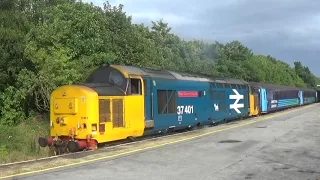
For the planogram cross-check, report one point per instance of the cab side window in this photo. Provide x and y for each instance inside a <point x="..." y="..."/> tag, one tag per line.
<point x="136" y="87"/>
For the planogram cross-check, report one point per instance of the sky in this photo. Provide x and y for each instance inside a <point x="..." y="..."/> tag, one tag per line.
<point x="288" y="30"/>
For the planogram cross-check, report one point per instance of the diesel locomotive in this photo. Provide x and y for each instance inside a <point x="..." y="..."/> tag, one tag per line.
<point x="119" y="102"/>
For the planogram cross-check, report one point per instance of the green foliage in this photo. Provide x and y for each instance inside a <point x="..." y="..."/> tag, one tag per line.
<point x="48" y="43"/>
<point x="72" y="38"/>
<point x="231" y="59"/>
<point x="14" y="25"/>
<point x="266" y="69"/>
<point x="19" y="142"/>
<point x="304" y="73"/>
<point x="3" y="151"/>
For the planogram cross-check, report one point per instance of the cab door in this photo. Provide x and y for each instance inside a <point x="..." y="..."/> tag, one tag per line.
<point x="134" y="106"/>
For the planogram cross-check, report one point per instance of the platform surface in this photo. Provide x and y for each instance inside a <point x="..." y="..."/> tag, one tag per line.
<point x="284" y="145"/>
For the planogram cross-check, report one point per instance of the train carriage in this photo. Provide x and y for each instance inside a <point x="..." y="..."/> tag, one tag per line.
<point x="309" y="96"/>
<point x="276" y="97"/>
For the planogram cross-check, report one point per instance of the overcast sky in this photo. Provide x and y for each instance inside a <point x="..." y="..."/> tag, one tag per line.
<point x="288" y="30"/>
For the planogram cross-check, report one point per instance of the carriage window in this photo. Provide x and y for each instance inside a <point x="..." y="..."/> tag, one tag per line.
<point x="136" y="86"/>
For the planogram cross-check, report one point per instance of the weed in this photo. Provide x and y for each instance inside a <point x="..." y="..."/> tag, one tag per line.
<point x="20" y="142"/>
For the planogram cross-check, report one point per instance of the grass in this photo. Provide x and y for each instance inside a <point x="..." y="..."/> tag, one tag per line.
<point x="20" y="143"/>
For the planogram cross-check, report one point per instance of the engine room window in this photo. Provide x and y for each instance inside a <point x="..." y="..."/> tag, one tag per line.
<point x="227" y="85"/>
<point x="166" y="101"/>
<point x="219" y="85"/>
<point x="162" y="101"/>
<point x="136" y="86"/>
<point x="172" y="101"/>
<point x="233" y="86"/>
<point x="104" y="111"/>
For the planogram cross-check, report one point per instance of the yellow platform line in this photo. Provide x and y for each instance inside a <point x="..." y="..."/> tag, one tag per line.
<point x="155" y="146"/>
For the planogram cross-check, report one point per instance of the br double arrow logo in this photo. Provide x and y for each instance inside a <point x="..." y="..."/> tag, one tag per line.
<point x="235" y="105"/>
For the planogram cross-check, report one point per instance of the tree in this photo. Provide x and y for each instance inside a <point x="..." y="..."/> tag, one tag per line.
<point x="231" y="58"/>
<point x="304" y="73"/>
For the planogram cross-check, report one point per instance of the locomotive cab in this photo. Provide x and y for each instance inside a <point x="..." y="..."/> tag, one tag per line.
<point x="120" y="110"/>
<point x="109" y="106"/>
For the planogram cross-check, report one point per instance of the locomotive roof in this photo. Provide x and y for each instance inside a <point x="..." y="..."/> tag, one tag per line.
<point x="157" y="73"/>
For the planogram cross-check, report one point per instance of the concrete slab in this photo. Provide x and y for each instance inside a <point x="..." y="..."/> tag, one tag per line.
<point x="284" y="147"/>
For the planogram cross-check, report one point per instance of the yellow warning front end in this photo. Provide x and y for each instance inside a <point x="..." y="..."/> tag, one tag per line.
<point x="73" y="119"/>
<point x="73" y="111"/>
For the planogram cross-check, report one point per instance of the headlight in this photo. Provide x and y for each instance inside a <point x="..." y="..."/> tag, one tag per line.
<point x="94" y="127"/>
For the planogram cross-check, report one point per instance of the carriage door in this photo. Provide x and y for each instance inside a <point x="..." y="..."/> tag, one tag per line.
<point x="300" y="97"/>
<point x="264" y="101"/>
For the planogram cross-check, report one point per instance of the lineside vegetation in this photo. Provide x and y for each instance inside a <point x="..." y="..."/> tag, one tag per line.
<point x="48" y="43"/>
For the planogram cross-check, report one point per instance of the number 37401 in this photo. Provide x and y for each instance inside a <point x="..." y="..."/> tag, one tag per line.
<point x="184" y="110"/>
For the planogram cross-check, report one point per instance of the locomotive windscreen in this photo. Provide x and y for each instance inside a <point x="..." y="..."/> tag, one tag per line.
<point x="108" y="75"/>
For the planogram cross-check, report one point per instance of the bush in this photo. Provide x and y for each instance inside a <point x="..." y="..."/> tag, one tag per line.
<point x="20" y="142"/>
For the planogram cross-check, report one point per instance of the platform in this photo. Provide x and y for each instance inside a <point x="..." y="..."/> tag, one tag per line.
<point x="284" y="145"/>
